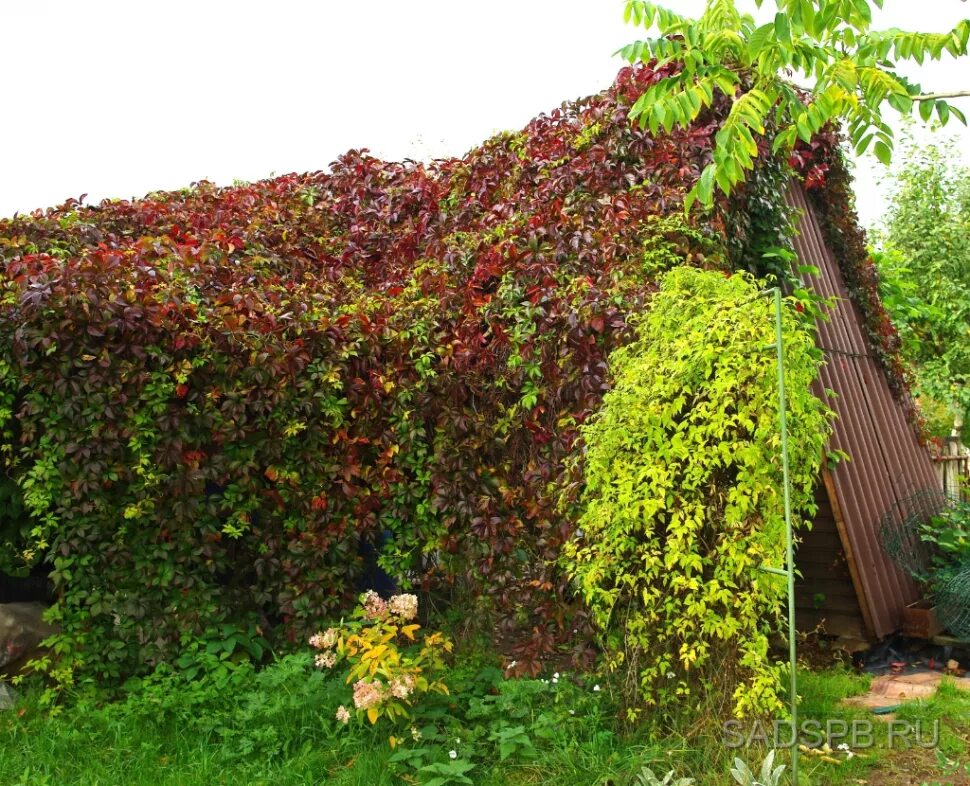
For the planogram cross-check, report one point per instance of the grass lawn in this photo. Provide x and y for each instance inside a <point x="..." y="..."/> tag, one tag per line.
<point x="276" y="727"/>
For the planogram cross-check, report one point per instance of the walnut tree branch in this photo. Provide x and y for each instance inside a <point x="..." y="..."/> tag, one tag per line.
<point x="935" y="96"/>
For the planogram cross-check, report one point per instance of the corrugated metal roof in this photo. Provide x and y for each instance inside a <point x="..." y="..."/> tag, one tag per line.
<point x="887" y="464"/>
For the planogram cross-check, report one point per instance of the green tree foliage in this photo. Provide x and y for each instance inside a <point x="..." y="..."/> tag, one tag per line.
<point x="827" y="43"/>
<point x="683" y="498"/>
<point x="924" y="262"/>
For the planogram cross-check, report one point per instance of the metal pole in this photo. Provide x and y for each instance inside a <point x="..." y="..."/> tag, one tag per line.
<point x="789" y="571"/>
<point x="789" y="534"/>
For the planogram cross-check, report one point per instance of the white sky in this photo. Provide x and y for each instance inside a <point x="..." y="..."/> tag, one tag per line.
<point x="115" y="99"/>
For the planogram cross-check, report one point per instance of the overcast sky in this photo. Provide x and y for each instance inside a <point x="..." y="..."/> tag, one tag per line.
<point x="115" y="99"/>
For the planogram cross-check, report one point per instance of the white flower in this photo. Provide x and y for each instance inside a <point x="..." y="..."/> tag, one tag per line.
<point x="457" y="740"/>
<point x="512" y="665"/>
<point x="325" y="640"/>
<point x="572" y="712"/>
<point x="670" y="675"/>
<point x="452" y="754"/>
<point x="844" y="746"/>
<point x="325" y="660"/>
<point x="596" y="689"/>
<point x="402" y="686"/>
<point x="555" y="676"/>
<point x="404" y="606"/>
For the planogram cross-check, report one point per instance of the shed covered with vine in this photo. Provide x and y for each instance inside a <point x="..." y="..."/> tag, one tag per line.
<point x="218" y="404"/>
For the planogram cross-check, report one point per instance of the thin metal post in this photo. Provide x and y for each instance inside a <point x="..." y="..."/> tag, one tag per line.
<point x="789" y="533"/>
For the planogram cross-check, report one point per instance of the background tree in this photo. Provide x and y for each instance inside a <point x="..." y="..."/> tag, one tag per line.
<point x="923" y="253"/>
<point x="828" y="44"/>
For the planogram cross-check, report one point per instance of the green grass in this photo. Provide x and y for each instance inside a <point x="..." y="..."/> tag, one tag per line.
<point x="253" y="729"/>
<point x="276" y="727"/>
<point x="822" y="694"/>
<point x="950" y="707"/>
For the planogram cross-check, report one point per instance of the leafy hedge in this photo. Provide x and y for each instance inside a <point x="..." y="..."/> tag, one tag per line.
<point x="216" y="401"/>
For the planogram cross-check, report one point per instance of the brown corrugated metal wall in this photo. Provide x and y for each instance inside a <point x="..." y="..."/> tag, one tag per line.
<point x="887" y="464"/>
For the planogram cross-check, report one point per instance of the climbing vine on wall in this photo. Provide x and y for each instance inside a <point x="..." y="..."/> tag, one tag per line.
<point x="683" y="505"/>
<point x="215" y="403"/>
<point x="218" y="401"/>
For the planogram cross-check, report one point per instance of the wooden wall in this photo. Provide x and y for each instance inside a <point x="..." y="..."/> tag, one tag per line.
<point x="825" y="594"/>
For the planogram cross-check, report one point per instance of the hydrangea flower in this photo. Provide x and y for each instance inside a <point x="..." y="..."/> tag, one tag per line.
<point x="367" y="694"/>
<point x="375" y="607"/>
<point x="402" y="686"/>
<point x="403" y="606"/>
<point x="325" y="640"/>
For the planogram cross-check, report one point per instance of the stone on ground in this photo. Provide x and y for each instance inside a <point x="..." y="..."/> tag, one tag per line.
<point x="22" y="629"/>
<point x="889" y="690"/>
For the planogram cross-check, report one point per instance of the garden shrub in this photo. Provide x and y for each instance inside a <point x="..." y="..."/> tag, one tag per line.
<point x="215" y="403"/>
<point x="948" y="533"/>
<point x="379" y="649"/>
<point x="683" y="502"/>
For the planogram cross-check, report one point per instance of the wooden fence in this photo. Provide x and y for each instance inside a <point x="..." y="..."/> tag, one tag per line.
<point x="953" y="468"/>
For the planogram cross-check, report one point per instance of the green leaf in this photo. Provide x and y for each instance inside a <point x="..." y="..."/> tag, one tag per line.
<point x="863" y="144"/>
<point x="782" y="27"/>
<point x="883" y="152"/>
<point x="722" y="177"/>
<point x="943" y="111"/>
<point x="806" y="14"/>
<point x="784" y="140"/>
<point x="759" y="40"/>
<point x="902" y="104"/>
<point x="705" y="186"/>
